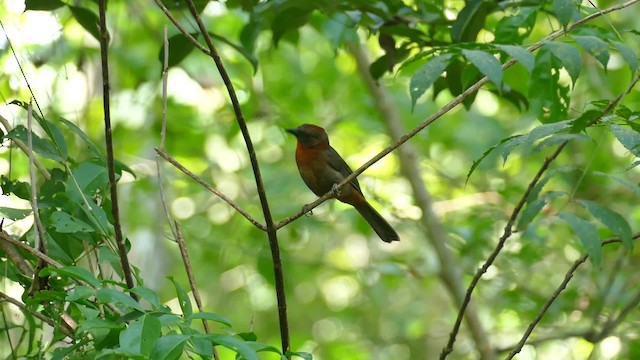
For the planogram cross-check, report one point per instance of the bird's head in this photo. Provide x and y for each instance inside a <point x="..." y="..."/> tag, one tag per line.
<point x="310" y="135"/>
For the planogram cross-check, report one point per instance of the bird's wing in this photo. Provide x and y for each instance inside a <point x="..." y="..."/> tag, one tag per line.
<point x="338" y="163"/>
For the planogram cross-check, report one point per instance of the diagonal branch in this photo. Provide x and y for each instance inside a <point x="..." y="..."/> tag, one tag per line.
<point x="446" y="108"/>
<point x="557" y="292"/>
<point x="508" y="229"/>
<point x="64" y="328"/>
<point x="449" y="272"/>
<point x="208" y="186"/>
<point x="271" y="230"/>
<point x="115" y="212"/>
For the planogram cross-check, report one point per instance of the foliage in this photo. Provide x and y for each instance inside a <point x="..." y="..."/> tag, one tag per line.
<point x="552" y="125"/>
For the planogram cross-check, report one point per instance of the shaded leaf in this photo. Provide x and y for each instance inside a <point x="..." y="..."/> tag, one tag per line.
<point x="564" y="10"/>
<point x="588" y="236"/>
<point x="515" y="28"/>
<point x="628" y="55"/>
<point x="611" y="219"/>
<point x="568" y="55"/>
<point x="289" y="20"/>
<point x="519" y="53"/>
<point x="46" y="5"/>
<point x="486" y="63"/>
<point x="629" y="139"/>
<point x="113" y="296"/>
<point x="426" y="76"/>
<point x="594" y="46"/>
<point x="210" y="316"/>
<point x="183" y="298"/>
<point x="169" y="347"/>
<point x="87" y="19"/>
<point x="470" y="20"/>
<point x="14" y="214"/>
<point x="140" y="336"/>
<point x="74" y="272"/>
<point x="66" y="223"/>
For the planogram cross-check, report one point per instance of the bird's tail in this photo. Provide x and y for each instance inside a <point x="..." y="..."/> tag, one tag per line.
<point x="377" y="222"/>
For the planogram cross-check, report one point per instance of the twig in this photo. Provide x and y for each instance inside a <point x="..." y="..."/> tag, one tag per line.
<point x="115" y="211"/>
<point x="614" y="322"/>
<point x="184" y="31"/>
<point x="189" y="270"/>
<point x="35" y="252"/>
<point x="163" y="132"/>
<point x="555" y="335"/>
<point x="508" y="229"/>
<point x="39" y="282"/>
<point x="215" y="191"/>
<point x="445" y="109"/>
<point x="64" y="328"/>
<point x="43" y="170"/>
<point x="449" y="273"/>
<point x="271" y="230"/>
<point x="557" y="292"/>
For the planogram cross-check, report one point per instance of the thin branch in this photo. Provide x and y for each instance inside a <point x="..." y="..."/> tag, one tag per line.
<point x="43" y="170"/>
<point x="35" y="252"/>
<point x="192" y="279"/>
<point x="163" y="132"/>
<point x="215" y="191"/>
<point x="445" y="109"/>
<point x="555" y="335"/>
<point x="614" y="322"/>
<point x="518" y="347"/>
<point x="508" y="229"/>
<point x="449" y="273"/>
<point x="115" y="211"/>
<point x="181" y="28"/>
<point x="64" y="329"/>
<point x="271" y="230"/>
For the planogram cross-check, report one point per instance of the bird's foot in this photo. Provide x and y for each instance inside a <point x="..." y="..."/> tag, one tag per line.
<point x="335" y="190"/>
<point x="307" y="210"/>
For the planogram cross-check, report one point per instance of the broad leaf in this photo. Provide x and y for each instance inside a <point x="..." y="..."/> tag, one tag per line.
<point x="596" y="47"/>
<point x="426" y="76"/>
<point x="487" y="64"/>
<point x="611" y="219"/>
<point x="519" y="53"/>
<point x="588" y="236"/>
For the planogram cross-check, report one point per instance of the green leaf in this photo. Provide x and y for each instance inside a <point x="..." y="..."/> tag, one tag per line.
<point x="246" y="54"/>
<point x="113" y="296"/>
<point x="426" y="76"/>
<point x="486" y="63"/>
<point x="74" y="272"/>
<point x="611" y="219"/>
<point x="85" y="138"/>
<point x="564" y="10"/>
<point x="289" y="20"/>
<point x="300" y="354"/>
<point x="210" y="316"/>
<point x="46" y="5"/>
<point x="470" y="21"/>
<point x="586" y="119"/>
<point x="516" y="28"/>
<point x="628" y="55"/>
<point x="513" y="140"/>
<point x="80" y="292"/>
<point x="42" y="147"/>
<point x="530" y="211"/>
<point x="87" y="19"/>
<point x="97" y="323"/>
<point x="629" y="139"/>
<point x="141" y="336"/>
<point x="179" y="48"/>
<point x="66" y="223"/>
<point x="14" y="214"/>
<point x="549" y="100"/>
<point x="588" y="236"/>
<point x="594" y="46"/>
<point x="568" y="55"/>
<point x="183" y="298"/>
<point x="234" y="344"/>
<point x="149" y="295"/>
<point x="169" y="347"/>
<point x="545" y="130"/>
<point x="519" y="53"/>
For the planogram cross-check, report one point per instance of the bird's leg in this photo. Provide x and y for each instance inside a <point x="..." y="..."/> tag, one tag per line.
<point x="307" y="210"/>
<point x="335" y="190"/>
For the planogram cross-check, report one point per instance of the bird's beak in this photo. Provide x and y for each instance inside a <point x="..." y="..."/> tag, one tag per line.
<point x="292" y="131"/>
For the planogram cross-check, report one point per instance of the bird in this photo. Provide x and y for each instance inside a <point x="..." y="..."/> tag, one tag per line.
<point x="322" y="169"/>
